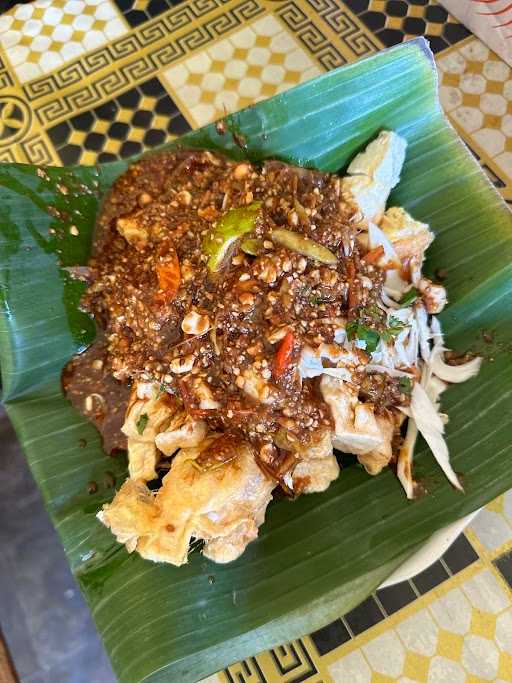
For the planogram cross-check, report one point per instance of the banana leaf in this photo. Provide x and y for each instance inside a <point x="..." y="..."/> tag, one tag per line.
<point x="320" y="555"/>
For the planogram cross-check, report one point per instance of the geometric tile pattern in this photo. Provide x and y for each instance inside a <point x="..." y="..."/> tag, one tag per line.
<point x="136" y="12"/>
<point x="394" y="21"/>
<point x="43" y="35"/>
<point x="83" y="81"/>
<point x="255" y="62"/>
<point x="139" y="119"/>
<point x="476" y="90"/>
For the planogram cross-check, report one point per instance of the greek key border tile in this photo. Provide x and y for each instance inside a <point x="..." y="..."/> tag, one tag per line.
<point x="146" y="62"/>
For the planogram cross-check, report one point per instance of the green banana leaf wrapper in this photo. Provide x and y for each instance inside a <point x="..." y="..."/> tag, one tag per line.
<point x="322" y="554"/>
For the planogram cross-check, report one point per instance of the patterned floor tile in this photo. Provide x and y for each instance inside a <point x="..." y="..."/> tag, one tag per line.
<point x="139" y="119"/>
<point x="476" y="90"/>
<point x="255" y="62"/>
<point x="45" y="34"/>
<point x="136" y="12"/>
<point x="394" y="21"/>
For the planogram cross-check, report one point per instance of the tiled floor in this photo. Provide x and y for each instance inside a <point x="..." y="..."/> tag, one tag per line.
<point x="44" y="619"/>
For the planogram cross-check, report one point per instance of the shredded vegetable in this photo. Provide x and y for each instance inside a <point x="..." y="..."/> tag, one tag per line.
<point x="303" y="245"/>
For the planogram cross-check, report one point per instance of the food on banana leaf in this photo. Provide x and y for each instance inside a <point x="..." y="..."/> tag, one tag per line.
<point x="253" y="318"/>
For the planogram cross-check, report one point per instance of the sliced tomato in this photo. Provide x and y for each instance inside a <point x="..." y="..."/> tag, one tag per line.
<point x="284" y="355"/>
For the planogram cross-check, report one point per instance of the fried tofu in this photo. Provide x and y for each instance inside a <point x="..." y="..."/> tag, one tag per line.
<point x="373" y="173"/>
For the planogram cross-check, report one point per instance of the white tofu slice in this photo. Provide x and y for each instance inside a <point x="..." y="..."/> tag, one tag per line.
<point x="374" y="172"/>
<point x="410" y="238"/>
<point x="355" y="427"/>
<point x="318" y="467"/>
<point x="379" y="458"/>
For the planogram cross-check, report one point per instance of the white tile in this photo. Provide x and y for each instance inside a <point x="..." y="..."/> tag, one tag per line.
<point x="452" y="612"/>
<point x="504" y="161"/>
<point x="351" y="668"/>
<point x="419" y="633"/>
<point x="450" y="97"/>
<point x="496" y="70"/>
<point x="492" y="103"/>
<point x="485" y="593"/>
<point x="452" y="64"/>
<point x="472" y="83"/>
<point x="493" y="141"/>
<point x="442" y="670"/>
<point x="475" y="51"/>
<point x="503" y="634"/>
<point x="385" y="654"/>
<point x="480" y="657"/>
<point x="468" y="117"/>
<point x="267" y="26"/>
<point x="491" y="528"/>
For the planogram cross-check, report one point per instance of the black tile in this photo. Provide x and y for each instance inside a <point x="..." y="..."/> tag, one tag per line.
<point x="70" y="154"/>
<point x="178" y="125"/>
<point x="357" y="5"/>
<point x="129" y="99"/>
<point x="374" y="20"/>
<point x="107" y="111"/>
<point x="156" y="7"/>
<point x="94" y="141"/>
<point x="396" y="8"/>
<point x="154" y="137"/>
<point x="142" y="118"/>
<point x="59" y="134"/>
<point x="504" y="564"/>
<point x="414" y="25"/>
<point x="106" y="156"/>
<point x="430" y="578"/>
<point x="118" y="130"/>
<point x="455" y="32"/>
<point x="129" y="148"/>
<point x="83" y="121"/>
<point x="437" y="43"/>
<point x="135" y="18"/>
<point x="460" y="555"/>
<point x="165" y="106"/>
<point x="395" y="597"/>
<point x="436" y="14"/>
<point x="153" y="87"/>
<point x="330" y="637"/>
<point x="124" y="5"/>
<point x="390" y="36"/>
<point x="364" y="616"/>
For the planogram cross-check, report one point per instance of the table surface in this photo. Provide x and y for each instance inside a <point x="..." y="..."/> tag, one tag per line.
<point x="94" y="80"/>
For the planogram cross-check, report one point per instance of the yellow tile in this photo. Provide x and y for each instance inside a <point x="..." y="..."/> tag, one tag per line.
<point x="415" y="10"/>
<point x="217" y="66"/>
<point x="240" y="53"/>
<point x="254" y="70"/>
<point x="495" y="505"/>
<point x="208" y="97"/>
<point x="277" y="58"/>
<point x="147" y="102"/>
<point x="88" y="158"/>
<point x="160" y="121"/>
<point x="195" y="79"/>
<point x="33" y="57"/>
<point x="47" y="30"/>
<point x="38" y="12"/>
<point x="124" y="115"/>
<point x="452" y="80"/>
<point x="508" y="144"/>
<point x="136" y="134"/>
<point x="293" y="77"/>
<point x="263" y="41"/>
<point x="505" y="666"/>
<point x="98" y="24"/>
<point x="78" y="36"/>
<point x="491" y="121"/>
<point x="56" y="46"/>
<point x="434" y="29"/>
<point x="416" y="666"/>
<point x="77" y="137"/>
<point x="381" y="678"/>
<point x="140" y="5"/>
<point x="267" y="89"/>
<point x="231" y="85"/>
<point x="112" y="146"/>
<point x="90" y="10"/>
<point x="474" y="67"/>
<point x="483" y="624"/>
<point x="449" y="645"/>
<point x="471" y="100"/>
<point x="67" y="19"/>
<point x="101" y="126"/>
<point x="394" y="22"/>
